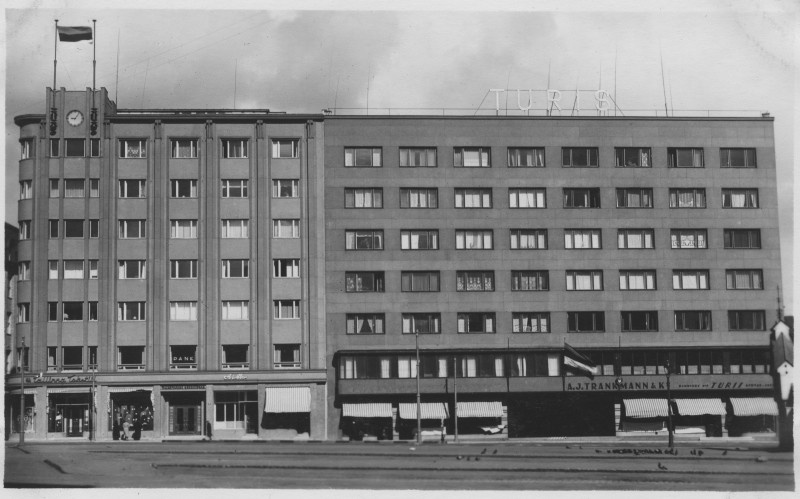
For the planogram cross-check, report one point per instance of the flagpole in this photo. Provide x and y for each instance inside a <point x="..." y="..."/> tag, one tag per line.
<point x="55" y="58"/>
<point x="94" y="57"/>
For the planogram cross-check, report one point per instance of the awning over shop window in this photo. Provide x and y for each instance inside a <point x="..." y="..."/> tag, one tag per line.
<point x="428" y="410"/>
<point x="127" y="389"/>
<point x="479" y="410"/>
<point x="756" y="406"/>
<point x="70" y="390"/>
<point x="378" y="410"/>
<point x="699" y="407"/>
<point x="28" y="391"/>
<point x="288" y="399"/>
<point x="645" y="408"/>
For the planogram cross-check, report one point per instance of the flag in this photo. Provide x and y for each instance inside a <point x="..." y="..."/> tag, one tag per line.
<point x="580" y="362"/>
<point x="74" y="33"/>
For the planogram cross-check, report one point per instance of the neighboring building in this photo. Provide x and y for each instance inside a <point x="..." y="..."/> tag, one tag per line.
<point x="252" y="274"/>
<point x="171" y="271"/>
<point x="12" y="407"/>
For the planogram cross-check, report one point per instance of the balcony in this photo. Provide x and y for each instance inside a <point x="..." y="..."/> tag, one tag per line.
<point x="286" y="365"/>
<point x="234" y="366"/>
<point x="183" y="367"/>
<point x="130" y="367"/>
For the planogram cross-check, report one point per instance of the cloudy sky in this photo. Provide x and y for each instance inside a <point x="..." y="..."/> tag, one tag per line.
<point x="734" y="56"/>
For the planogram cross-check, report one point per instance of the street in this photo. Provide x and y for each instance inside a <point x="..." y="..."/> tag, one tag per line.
<point x="399" y="466"/>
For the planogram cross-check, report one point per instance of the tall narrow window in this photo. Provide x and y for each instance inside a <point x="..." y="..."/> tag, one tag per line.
<point x="184" y="148"/>
<point x="685" y="157"/>
<point x="526" y="157"/>
<point x="54" y="148"/>
<point x="24" y="271"/>
<point x="27" y="149"/>
<point x="472" y="157"/>
<point x="416" y="157"/>
<point x="26" y="189"/>
<point x="55" y="189"/>
<point x="94" y="187"/>
<point x="94" y="148"/>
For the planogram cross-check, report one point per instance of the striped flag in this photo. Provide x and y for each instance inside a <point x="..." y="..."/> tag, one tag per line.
<point x="74" y="33"/>
<point x="578" y="361"/>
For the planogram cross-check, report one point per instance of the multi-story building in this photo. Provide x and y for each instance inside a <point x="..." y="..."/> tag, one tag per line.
<point x="169" y="281"/>
<point x="246" y="273"/>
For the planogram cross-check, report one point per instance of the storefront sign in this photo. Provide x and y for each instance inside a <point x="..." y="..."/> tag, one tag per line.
<point x="234" y="377"/>
<point x="182" y="387"/>
<point x="58" y="380"/>
<point x="676" y="384"/>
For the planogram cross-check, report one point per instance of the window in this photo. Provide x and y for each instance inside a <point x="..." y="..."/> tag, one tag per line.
<point x="419" y="197"/>
<point x="528" y="238"/>
<point x="638" y="321"/>
<point x="286" y="267"/>
<point x="52" y="364"/>
<point x="286" y="356"/>
<point x="94" y="228"/>
<point x="93" y="312"/>
<point x="130" y="358"/>
<point x="234" y="188"/>
<point x="365" y="323"/>
<point x="526" y="157"/>
<point x="422" y="323"/>
<point x="132" y="229"/>
<point x="363" y="239"/>
<point x="132" y="188"/>
<point x="416" y="157"/>
<point x="530" y="322"/>
<point x="25" y="230"/>
<point x="23" y="313"/>
<point x="53" y="229"/>
<point x="692" y="320"/>
<point x="285" y="148"/>
<point x="131" y="311"/>
<point x="27" y="149"/>
<point x="74" y="188"/>
<point x="286" y="309"/>
<point x="530" y="280"/>
<point x="364" y="282"/>
<point x="579" y="157"/>
<point x="582" y="239"/>
<point x="94" y="187"/>
<point x="72" y="358"/>
<point x="685" y="157"/>
<point x="742" y="238"/>
<point x="235" y="269"/>
<point x="475" y="280"/>
<point x="24" y="271"/>
<point x="285" y="188"/>
<point x="476" y="322"/>
<point x="286" y="228"/>
<point x="133" y="148"/>
<point x="72" y="310"/>
<point x="473" y="198"/>
<point x="183" y="310"/>
<point x="183" y="357"/>
<point x="481" y="366"/>
<point x="54" y="147"/>
<point x="744" y="279"/>
<point x="738" y="157"/>
<point x="26" y="189"/>
<point x="634" y="197"/>
<point x="471" y="157"/>
<point x="183" y="188"/>
<point x="474" y="239"/>
<point x="689" y="238"/>
<point x="740" y="198"/>
<point x="235" y="228"/>
<point x="73" y="269"/>
<point x="746" y="320"/>
<point x="632" y="157"/>
<point x="527" y="198"/>
<point x="635" y="239"/>
<point x="363" y="156"/>
<point x="52" y="272"/>
<point x="637" y="280"/>
<point x="586" y="322"/>
<point x="234" y="148"/>
<point x="93" y="272"/>
<point x="73" y="228"/>
<point x="183" y="269"/>
<point x="94" y="146"/>
<point x="184" y="148"/>
<point x="584" y="280"/>
<point x="54" y="188"/>
<point x="687" y="198"/>
<point x="420" y="281"/>
<point x="419" y="239"/>
<point x="234" y="357"/>
<point x="76" y="148"/>
<point x="371" y="197"/>
<point x="581" y="198"/>
<point x="183" y="229"/>
<point x="535" y="364"/>
<point x="237" y="310"/>
<point x="690" y="279"/>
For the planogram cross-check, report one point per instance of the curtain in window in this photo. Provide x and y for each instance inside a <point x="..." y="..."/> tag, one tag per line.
<point x="522" y="365"/>
<point x="752" y="199"/>
<point x="442" y="363"/>
<point x="583" y="281"/>
<point x="73" y="269"/>
<point x="469" y="367"/>
<point x="386" y="367"/>
<point x="644" y="158"/>
<point x="73" y="188"/>
<point x="686" y="199"/>
<point x="498" y="366"/>
<point x="463" y="323"/>
<point x="489" y="324"/>
<point x="737" y="199"/>
<point x="636" y="281"/>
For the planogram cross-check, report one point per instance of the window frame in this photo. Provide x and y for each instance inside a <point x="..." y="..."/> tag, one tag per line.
<point x="124" y="229"/>
<point x="645" y="197"/>
<point x="676" y="239"/>
<point x="484" y="153"/>
<point x="123" y="312"/>
<point x="754" y="276"/>
<point x="176" y="228"/>
<point x="429" y="194"/>
<point x="278" y="227"/>
<point x="352" y="237"/>
<point x="729" y="239"/>
<point x="704" y="321"/>
<point x="595" y="278"/>
<point x="758" y="320"/>
<point x="701" y="276"/>
<point x="591" y="195"/>
<point x="355" y="281"/>
<point x="25" y="189"/>
<point x="178" y="265"/>
<point x="292" y="269"/>
<point x="179" y="308"/>
<point x="354" y="156"/>
<point x="122" y="192"/>
<point x="592" y="153"/>
<point x="375" y="197"/>
<point x="176" y="146"/>
<point x="650" y="320"/>
<point x="228" y="152"/>
<point x="622" y="161"/>
<point x="276" y="148"/>
<point x="125" y="148"/>
<point x="277" y="188"/>
<point x="594" y="235"/>
<point x="69" y="231"/>
<point x="177" y="188"/>
<point x="673" y="157"/>
<point x="27" y="148"/>
<point x="725" y="153"/>
<point x="473" y="233"/>
<point x="516" y="236"/>
<point x="408" y="279"/>
<point x="648" y="276"/>
<point x="540" y="277"/>
<point x="748" y="192"/>
<point x="70" y="151"/>
<point x="598" y="322"/>
<point x="534" y="155"/>
<point x="228" y="306"/>
<point x="486" y="279"/>
<point x="697" y="192"/>
<point x="515" y="194"/>
<point x="488" y="320"/>
<point x="430" y="235"/>
<point x="541" y="319"/>
<point x="229" y="186"/>
<point x="482" y="193"/>
<point x="410" y="319"/>
<point x="417" y="151"/>
<point x="378" y="319"/>
<point x="140" y="267"/>
<point x="230" y="226"/>
<point x="277" y="309"/>
<point x="230" y="264"/>
<point x="77" y="269"/>
<point x="623" y="235"/>
<point x="71" y="189"/>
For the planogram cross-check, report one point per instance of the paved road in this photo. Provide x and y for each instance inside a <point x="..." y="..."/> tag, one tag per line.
<point x="505" y="466"/>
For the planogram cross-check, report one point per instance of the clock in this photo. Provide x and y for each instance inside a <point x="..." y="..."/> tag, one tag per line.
<point x="74" y="118"/>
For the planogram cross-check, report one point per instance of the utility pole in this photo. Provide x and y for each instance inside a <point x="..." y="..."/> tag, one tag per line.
<point x="22" y="393"/>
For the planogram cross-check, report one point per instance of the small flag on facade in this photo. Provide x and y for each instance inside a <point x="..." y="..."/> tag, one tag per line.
<point x="74" y="33"/>
<point x="580" y="362"/>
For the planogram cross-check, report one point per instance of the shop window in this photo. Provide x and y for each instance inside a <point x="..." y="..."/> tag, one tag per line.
<point x="132" y="188"/>
<point x="235" y="269"/>
<point x="183" y="229"/>
<point x="183" y="310"/>
<point x="526" y="157"/>
<point x="685" y="157"/>
<point x="579" y="157"/>
<point x="416" y="157"/>
<point x="286" y="267"/>
<point x="236" y="188"/>
<point x="583" y="239"/>
<point x="235" y="228"/>
<point x="235" y="357"/>
<point x="527" y="198"/>
<point x="632" y="157"/>
<point x="235" y="410"/>
<point x="135" y="408"/>
<point x="365" y="323"/>
<point x="530" y="280"/>
<point x="472" y="157"/>
<point x="737" y="157"/>
<point x="132" y="269"/>
<point x="422" y="323"/>
<point x="419" y="197"/>
<point x="474" y="239"/>
<point x="528" y="238"/>
<point x="740" y="198"/>
<point x="687" y="198"/>
<point x="234" y="148"/>
<point x="183" y="269"/>
<point x="690" y="279"/>
<point x="133" y="148"/>
<point x="581" y="197"/>
<point x="131" y="311"/>
<point x="184" y="148"/>
<point x="235" y="310"/>
<point x="288" y="228"/>
<point x="75" y="148"/>
<point x="418" y="239"/>
<point x="692" y="320"/>
<point x="476" y="322"/>
<point x="689" y="238"/>
<point x="72" y="310"/>
<point x="746" y="320"/>
<point x="586" y="322"/>
<point x="419" y="282"/>
<point x="369" y="157"/>
<point x="364" y="282"/>
<point x="183" y="357"/>
<point x="132" y="229"/>
<point x="286" y="309"/>
<point x="130" y="358"/>
<point x="744" y="279"/>
<point x="634" y="197"/>
<point x="584" y="280"/>
<point x="473" y="198"/>
<point x="742" y="238"/>
<point x="286" y="356"/>
<point x="633" y="280"/>
<point x="285" y="148"/>
<point x="285" y="188"/>
<point x="475" y="280"/>
<point x="639" y="321"/>
<point x="368" y="197"/>
<point x="72" y="359"/>
<point x="530" y="322"/>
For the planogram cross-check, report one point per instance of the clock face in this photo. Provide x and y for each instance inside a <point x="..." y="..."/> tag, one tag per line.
<point x="74" y="118"/>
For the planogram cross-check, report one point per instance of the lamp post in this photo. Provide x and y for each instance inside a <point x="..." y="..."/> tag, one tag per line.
<point x="669" y="408"/>
<point x="419" y="410"/>
<point x="22" y="393"/>
<point x="455" y="399"/>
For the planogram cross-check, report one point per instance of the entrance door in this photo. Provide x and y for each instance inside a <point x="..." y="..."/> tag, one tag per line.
<point x="75" y="418"/>
<point x="185" y="422"/>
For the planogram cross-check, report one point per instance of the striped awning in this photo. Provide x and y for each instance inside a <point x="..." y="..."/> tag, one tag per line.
<point x="28" y="391"/>
<point x="428" y="410"/>
<point x="699" y="407"/>
<point x="756" y="406"/>
<point x="479" y="410"/>
<point x="288" y="399"/>
<point x="376" y="410"/>
<point x="645" y="408"/>
<point x="126" y="389"/>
